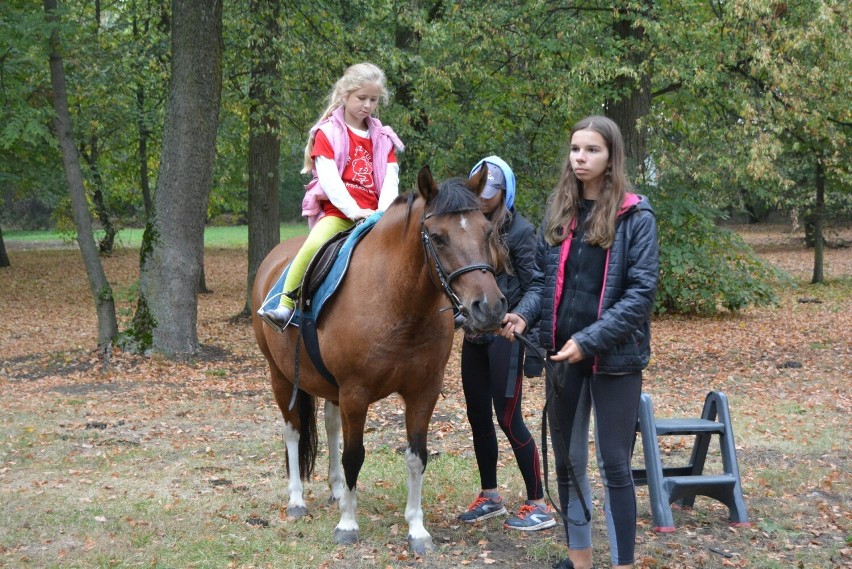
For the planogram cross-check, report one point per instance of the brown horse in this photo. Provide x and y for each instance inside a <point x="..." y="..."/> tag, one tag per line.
<point x="388" y="329"/>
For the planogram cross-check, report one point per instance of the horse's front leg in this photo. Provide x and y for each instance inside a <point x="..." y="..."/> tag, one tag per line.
<point x="335" y="468"/>
<point x="353" y="417"/>
<point x="418" y="412"/>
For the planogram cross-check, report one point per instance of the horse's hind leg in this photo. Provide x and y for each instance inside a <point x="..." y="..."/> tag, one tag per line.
<point x="335" y="468"/>
<point x="417" y="416"/>
<point x="296" y="507"/>
<point x="283" y="390"/>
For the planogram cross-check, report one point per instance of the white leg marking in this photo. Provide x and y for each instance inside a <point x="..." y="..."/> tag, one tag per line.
<point x="348" y="503"/>
<point x="291" y="440"/>
<point x="413" y="509"/>
<point x="335" y="467"/>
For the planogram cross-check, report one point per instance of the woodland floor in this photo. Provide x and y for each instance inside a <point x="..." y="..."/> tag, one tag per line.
<point x="785" y="370"/>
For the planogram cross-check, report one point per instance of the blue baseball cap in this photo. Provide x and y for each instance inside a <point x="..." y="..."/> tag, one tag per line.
<point x="499" y="167"/>
<point x="495" y="184"/>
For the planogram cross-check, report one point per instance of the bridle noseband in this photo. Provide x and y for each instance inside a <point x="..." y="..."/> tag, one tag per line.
<point x="443" y="277"/>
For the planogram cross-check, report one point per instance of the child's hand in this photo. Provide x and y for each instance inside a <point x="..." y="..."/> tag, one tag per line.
<point x="363" y="214"/>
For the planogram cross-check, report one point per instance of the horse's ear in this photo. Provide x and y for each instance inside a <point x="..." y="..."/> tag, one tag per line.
<point x="426" y="184"/>
<point x="476" y="183"/>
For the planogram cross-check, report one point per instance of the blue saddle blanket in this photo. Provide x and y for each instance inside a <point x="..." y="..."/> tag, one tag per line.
<point x="330" y="284"/>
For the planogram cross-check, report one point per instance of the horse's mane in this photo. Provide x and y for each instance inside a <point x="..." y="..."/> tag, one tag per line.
<point x="453" y="197"/>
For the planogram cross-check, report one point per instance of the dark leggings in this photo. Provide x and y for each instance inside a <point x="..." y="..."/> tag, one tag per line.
<point x="492" y="377"/>
<point x="615" y="400"/>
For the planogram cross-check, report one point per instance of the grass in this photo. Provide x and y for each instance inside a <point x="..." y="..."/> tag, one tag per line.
<point x="131" y="238"/>
<point x="163" y="464"/>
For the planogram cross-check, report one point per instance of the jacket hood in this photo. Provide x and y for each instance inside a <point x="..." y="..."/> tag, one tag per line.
<point x="507" y="174"/>
<point x="638" y="201"/>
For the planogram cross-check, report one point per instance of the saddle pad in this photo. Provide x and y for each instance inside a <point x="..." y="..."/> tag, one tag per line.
<point x="335" y="276"/>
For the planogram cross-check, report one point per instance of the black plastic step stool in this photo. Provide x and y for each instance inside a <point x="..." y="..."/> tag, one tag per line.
<point x="681" y="484"/>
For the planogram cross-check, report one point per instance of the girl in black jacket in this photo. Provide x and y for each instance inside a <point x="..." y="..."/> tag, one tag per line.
<point x="492" y="366"/>
<point x="599" y="255"/>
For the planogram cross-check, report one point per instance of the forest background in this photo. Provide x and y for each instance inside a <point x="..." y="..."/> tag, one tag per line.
<point x="175" y="116"/>
<point x="171" y="118"/>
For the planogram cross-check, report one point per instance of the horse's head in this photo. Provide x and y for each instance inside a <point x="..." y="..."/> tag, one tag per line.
<point x="459" y="241"/>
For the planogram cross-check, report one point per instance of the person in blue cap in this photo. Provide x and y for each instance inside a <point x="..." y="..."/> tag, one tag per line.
<point x="492" y="367"/>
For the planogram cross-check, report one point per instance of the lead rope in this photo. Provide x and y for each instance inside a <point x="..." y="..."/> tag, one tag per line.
<point x="550" y="376"/>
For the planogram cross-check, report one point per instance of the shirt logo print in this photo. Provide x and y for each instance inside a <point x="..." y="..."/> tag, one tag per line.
<point x="362" y="168"/>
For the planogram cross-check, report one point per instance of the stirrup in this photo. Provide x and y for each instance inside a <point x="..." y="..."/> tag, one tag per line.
<point x="277" y="325"/>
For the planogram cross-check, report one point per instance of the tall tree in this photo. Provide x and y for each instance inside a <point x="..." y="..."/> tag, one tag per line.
<point x="4" y="256"/>
<point x="98" y="284"/>
<point x="264" y="143"/>
<point x="172" y="257"/>
<point x="631" y="100"/>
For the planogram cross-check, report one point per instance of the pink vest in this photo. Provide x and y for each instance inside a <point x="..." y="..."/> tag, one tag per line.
<point x="334" y="128"/>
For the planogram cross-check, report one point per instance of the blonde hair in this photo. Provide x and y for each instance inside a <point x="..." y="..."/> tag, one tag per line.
<point x="566" y="198"/>
<point x="355" y="77"/>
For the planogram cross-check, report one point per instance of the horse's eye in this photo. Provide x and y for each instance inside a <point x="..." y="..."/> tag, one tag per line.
<point x="438" y="240"/>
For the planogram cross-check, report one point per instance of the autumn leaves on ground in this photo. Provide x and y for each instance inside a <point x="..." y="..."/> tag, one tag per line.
<point x="151" y="463"/>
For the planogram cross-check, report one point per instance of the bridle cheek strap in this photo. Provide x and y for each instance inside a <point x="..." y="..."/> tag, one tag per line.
<point x="443" y="278"/>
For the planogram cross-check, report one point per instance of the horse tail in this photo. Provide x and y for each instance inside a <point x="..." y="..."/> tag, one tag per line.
<point x="308" y="439"/>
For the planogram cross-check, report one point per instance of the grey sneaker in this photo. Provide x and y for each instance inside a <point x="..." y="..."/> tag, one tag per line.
<point x="483" y="508"/>
<point x="531" y="517"/>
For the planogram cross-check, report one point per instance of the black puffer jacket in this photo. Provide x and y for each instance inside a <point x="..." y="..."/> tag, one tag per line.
<point x="519" y="236"/>
<point x="620" y="340"/>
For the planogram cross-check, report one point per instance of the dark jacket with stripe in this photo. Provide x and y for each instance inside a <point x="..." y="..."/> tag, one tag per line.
<point x="620" y="340"/>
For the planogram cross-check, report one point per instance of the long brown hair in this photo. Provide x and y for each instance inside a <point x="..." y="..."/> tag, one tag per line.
<point x="564" y="202"/>
<point x="499" y="218"/>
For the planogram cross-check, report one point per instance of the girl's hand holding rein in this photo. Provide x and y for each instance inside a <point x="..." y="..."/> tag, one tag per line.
<point x="570" y="351"/>
<point x="512" y="323"/>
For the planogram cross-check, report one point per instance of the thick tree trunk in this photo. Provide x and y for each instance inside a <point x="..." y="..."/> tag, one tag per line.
<point x="635" y="99"/>
<point x="4" y="257"/>
<point x="173" y="258"/>
<point x="818" y="217"/>
<point x="264" y="144"/>
<point x="98" y="284"/>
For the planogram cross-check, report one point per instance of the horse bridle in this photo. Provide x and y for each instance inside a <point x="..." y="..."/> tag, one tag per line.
<point x="443" y="277"/>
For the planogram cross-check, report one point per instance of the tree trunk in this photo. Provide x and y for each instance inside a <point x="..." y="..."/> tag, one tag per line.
<point x="98" y="284"/>
<point x="818" y="217"/>
<point x="144" y="133"/>
<point x="264" y="144"/>
<point x="634" y="101"/>
<point x="4" y="257"/>
<point x="107" y="243"/>
<point x="173" y="255"/>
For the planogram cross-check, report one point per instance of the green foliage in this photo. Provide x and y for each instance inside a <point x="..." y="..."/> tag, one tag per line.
<point x="705" y="269"/>
<point x="748" y="97"/>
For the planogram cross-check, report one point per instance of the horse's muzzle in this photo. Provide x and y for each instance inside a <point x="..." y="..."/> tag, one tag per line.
<point x="486" y="316"/>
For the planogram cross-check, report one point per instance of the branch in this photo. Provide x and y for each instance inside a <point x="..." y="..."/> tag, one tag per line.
<point x="667" y="89"/>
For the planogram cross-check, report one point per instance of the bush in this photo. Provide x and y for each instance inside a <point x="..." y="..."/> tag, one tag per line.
<point x="705" y="269"/>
